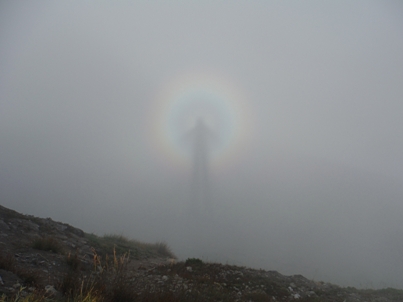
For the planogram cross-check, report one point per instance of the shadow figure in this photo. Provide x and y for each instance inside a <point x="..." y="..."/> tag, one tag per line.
<point x="201" y="139"/>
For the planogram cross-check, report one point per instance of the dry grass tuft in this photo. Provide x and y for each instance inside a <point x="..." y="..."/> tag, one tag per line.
<point x="47" y="244"/>
<point x="109" y="281"/>
<point x="20" y="297"/>
<point x="8" y="263"/>
<point x="73" y="261"/>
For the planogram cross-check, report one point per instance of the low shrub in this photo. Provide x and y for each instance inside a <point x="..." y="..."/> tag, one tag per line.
<point x="47" y="244"/>
<point x="7" y="261"/>
<point x="193" y="262"/>
<point x="164" y="250"/>
<point x="137" y="250"/>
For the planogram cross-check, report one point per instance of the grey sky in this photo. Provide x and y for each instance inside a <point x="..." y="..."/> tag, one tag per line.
<point x="317" y="189"/>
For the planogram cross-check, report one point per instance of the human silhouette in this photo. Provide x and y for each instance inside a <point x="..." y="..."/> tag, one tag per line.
<point x="200" y="138"/>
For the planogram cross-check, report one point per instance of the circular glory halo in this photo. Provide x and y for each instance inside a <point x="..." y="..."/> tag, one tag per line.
<point x="200" y="96"/>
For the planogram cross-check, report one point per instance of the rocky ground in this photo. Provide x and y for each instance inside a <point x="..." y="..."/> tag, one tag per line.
<point x="56" y="261"/>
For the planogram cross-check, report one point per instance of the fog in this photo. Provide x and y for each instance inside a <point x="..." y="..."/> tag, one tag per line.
<point x="258" y="133"/>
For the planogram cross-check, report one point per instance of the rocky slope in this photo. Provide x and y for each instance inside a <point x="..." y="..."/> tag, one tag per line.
<point x="55" y="261"/>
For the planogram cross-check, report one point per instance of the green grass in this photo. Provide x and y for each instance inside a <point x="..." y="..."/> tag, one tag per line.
<point x="135" y="249"/>
<point x="47" y="244"/>
<point x="193" y="262"/>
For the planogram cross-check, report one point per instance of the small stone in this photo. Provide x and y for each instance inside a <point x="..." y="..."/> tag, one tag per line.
<point x="164" y="278"/>
<point x="17" y="285"/>
<point x="50" y="290"/>
<point x="189" y="268"/>
<point x="297" y="296"/>
<point x="4" y="225"/>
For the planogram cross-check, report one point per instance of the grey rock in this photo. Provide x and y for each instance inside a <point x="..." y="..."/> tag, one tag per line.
<point x="16" y="285"/>
<point x="26" y="225"/>
<point x="60" y="228"/>
<point x="3" y="226"/>
<point x="51" y="291"/>
<point x="9" y="278"/>
<point x="310" y="293"/>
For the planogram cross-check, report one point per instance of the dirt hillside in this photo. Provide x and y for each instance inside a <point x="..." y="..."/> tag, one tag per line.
<point x="45" y="260"/>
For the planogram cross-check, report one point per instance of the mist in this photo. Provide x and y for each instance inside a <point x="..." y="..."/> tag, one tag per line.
<point x="296" y="163"/>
